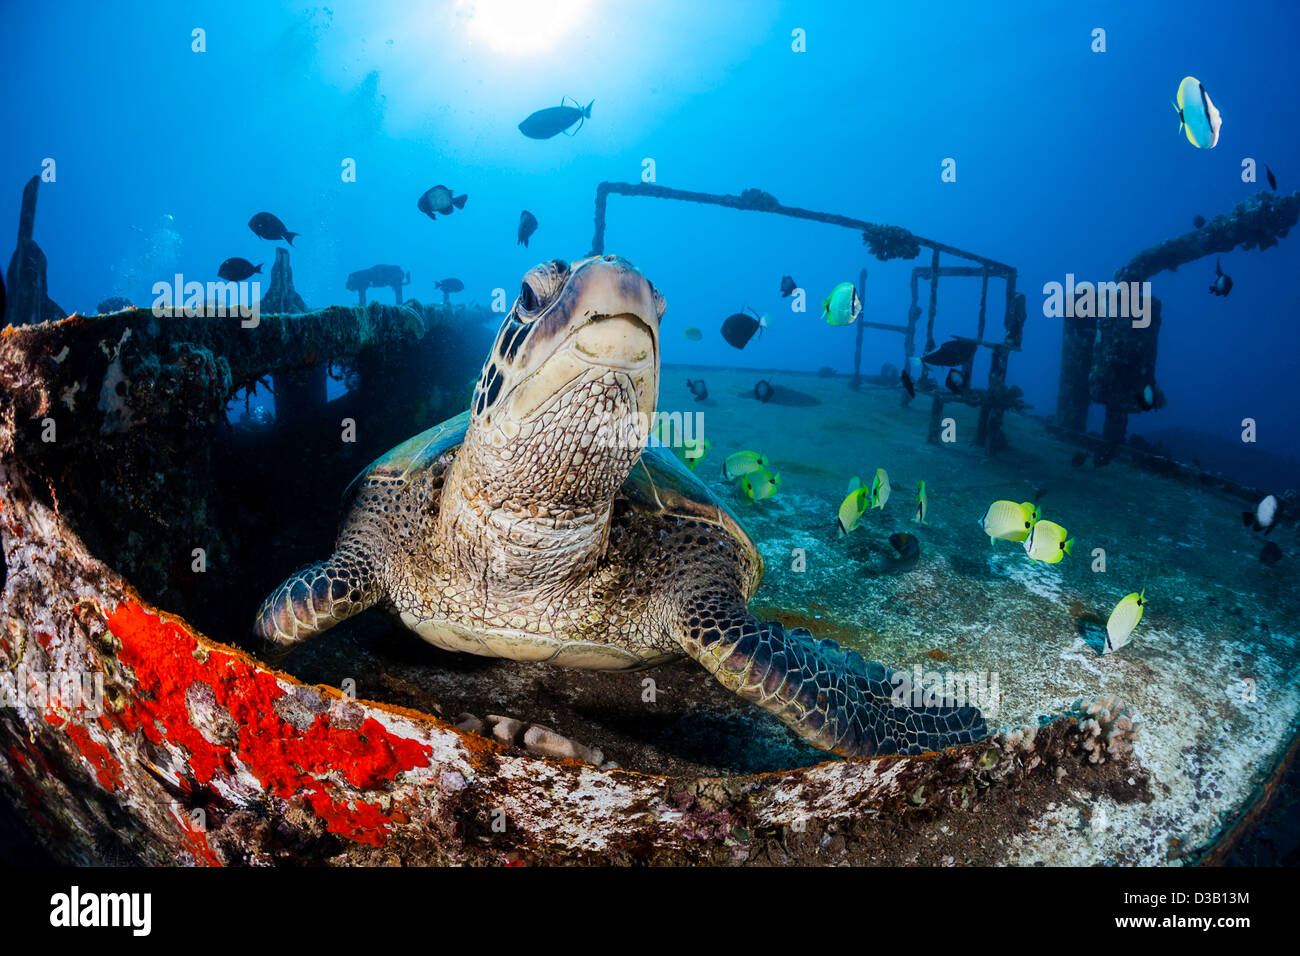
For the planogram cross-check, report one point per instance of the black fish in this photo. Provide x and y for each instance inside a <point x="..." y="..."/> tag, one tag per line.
<point x="555" y="119"/>
<point x="788" y="285"/>
<point x="909" y="552"/>
<point x="956" y="352"/>
<point x="439" y="199"/>
<point x="1222" y="284"/>
<point x="826" y="372"/>
<point x="1198" y="222"/>
<point x="237" y="269"/>
<point x="527" y="226"/>
<point x="739" y="328"/>
<point x="1272" y="180"/>
<point x="763" y="391"/>
<point x="450" y="285"/>
<point x="1080" y="457"/>
<point x="698" y="389"/>
<point x="956" y="381"/>
<point x="1270" y="554"/>
<point x="908" y="384"/>
<point x="267" y="226"/>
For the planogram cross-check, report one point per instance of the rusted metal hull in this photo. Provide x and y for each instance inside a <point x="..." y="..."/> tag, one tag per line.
<point x="197" y="753"/>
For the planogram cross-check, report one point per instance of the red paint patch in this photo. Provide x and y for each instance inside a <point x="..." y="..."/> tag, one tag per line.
<point x="197" y="842"/>
<point x="289" y="762"/>
<point x="108" y="770"/>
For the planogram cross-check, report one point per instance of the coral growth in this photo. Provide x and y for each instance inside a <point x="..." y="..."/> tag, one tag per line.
<point x="890" y="242"/>
<point x="1108" y="729"/>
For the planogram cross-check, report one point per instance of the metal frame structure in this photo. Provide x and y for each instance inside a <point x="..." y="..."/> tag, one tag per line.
<point x="992" y="401"/>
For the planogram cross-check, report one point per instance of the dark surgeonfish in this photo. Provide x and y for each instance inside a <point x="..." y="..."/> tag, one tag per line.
<point x="236" y="269"/>
<point x="1270" y="554"/>
<point x="739" y="328"/>
<point x="788" y="285"/>
<point x="953" y="353"/>
<point x="450" y="285"/>
<point x="763" y="391"/>
<point x="556" y="119"/>
<point x="527" y="226"/>
<point x="908" y="384"/>
<point x="956" y="381"/>
<point x="439" y="199"/>
<point x="267" y="226"/>
<point x="698" y="389"/>
<point x="909" y="553"/>
<point x="1222" y="284"/>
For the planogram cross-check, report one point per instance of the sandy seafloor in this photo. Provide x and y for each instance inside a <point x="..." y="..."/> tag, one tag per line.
<point x="1219" y="627"/>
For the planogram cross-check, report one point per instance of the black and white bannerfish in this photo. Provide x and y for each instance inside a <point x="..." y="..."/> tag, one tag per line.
<point x="698" y="389"/>
<point x="739" y="328"/>
<point x="788" y="285"/>
<point x="439" y="199"/>
<point x="556" y="119"/>
<point x="1263" y="517"/>
<point x="527" y="226"/>
<point x="1151" y="397"/>
<point x="1222" y="283"/>
<point x="1197" y="116"/>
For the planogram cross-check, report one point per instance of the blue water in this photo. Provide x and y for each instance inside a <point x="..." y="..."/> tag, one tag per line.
<point x="1067" y="160"/>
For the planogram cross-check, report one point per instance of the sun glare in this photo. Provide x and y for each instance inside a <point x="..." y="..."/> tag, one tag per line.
<point x="523" y="27"/>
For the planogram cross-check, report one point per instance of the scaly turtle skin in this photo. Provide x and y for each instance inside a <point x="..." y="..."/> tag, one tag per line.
<point x="537" y="526"/>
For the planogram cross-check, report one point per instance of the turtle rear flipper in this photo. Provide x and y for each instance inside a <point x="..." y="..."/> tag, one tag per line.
<point x="316" y="598"/>
<point x="832" y="698"/>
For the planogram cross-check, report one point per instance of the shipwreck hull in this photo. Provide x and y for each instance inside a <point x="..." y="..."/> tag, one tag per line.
<point x="129" y="736"/>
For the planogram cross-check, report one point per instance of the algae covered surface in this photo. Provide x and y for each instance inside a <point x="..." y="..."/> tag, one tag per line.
<point x="1210" y="674"/>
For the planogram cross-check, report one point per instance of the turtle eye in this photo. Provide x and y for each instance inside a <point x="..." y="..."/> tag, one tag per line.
<point x="528" y="303"/>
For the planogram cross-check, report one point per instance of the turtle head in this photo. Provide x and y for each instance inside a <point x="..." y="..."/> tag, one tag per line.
<point x="564" y="404"/>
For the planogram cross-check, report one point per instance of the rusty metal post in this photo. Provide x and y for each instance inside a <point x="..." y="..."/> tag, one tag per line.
<point x="934" y="301"/>
<point x="936" y="419"/>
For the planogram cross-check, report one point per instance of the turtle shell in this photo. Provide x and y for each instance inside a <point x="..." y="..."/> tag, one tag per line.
<point x="415" y="454"/>
<point x="661" y="484"/>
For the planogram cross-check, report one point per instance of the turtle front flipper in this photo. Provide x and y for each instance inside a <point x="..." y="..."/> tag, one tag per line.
<point x="318" y="597"/>
<point x="832" y="698"/>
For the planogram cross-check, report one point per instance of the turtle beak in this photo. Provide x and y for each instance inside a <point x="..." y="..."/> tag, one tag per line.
<point x="620" y="341"/>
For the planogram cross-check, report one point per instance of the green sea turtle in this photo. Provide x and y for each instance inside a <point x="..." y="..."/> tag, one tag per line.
<point x="537" y="526"/>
